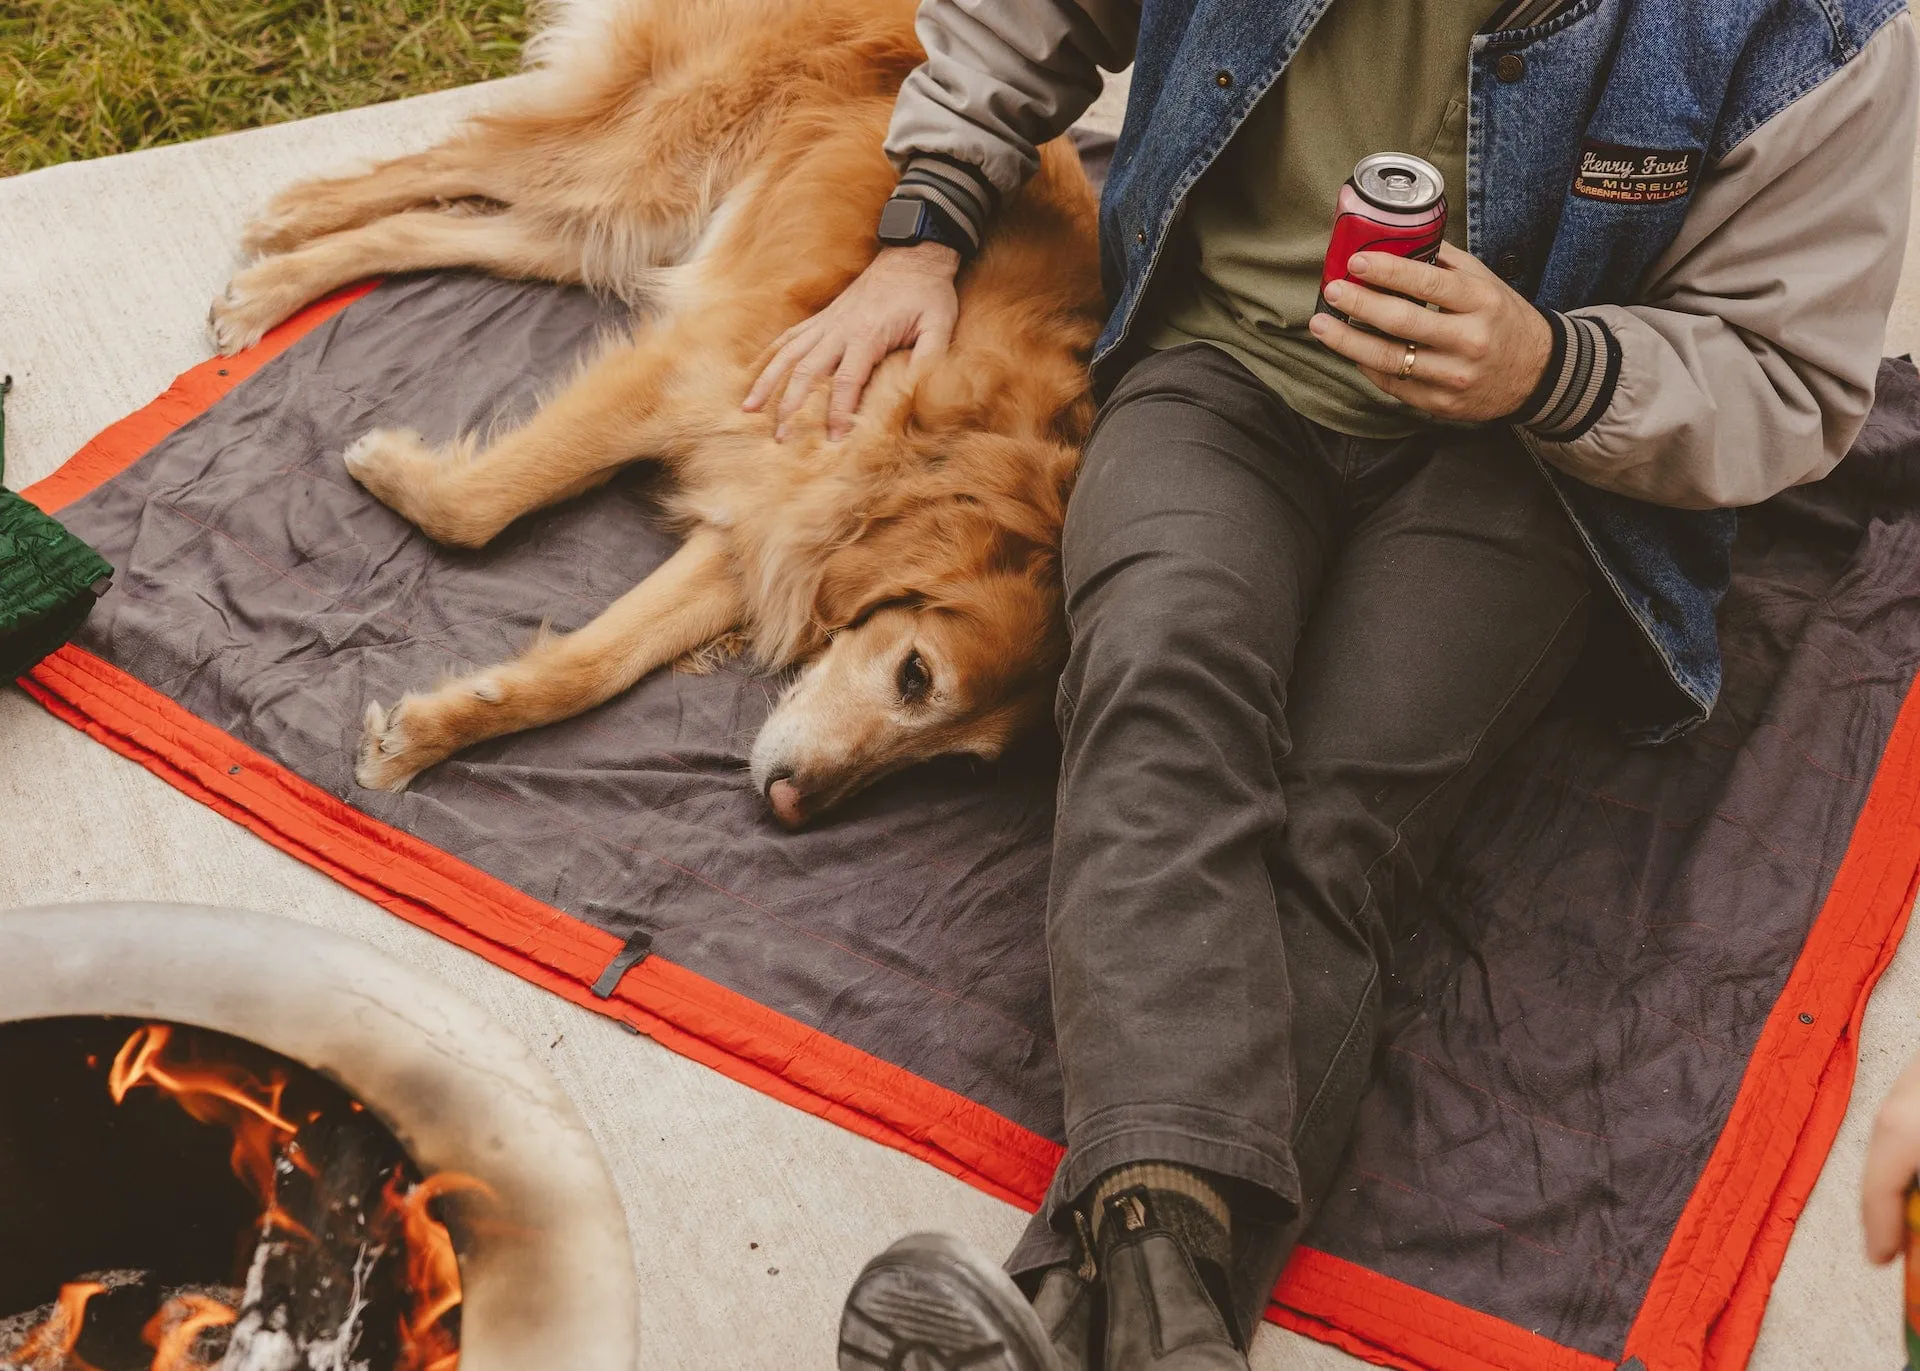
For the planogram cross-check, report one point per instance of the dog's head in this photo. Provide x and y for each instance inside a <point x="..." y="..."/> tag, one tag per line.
<point x="945" y="630"/>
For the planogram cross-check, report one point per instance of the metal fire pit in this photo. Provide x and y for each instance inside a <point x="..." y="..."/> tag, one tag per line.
<point x="548" y="1279"/>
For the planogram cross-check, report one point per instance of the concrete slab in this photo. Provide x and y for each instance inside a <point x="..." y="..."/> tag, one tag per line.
<point x="748" y="1217"/>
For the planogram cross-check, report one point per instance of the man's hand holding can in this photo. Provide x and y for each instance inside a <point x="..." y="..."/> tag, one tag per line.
<point x="1477" y="354"/>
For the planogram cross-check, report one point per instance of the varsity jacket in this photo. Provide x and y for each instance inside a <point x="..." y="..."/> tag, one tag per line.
<point x="1707" y="198"/>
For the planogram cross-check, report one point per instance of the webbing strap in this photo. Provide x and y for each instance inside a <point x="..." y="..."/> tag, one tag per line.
<point x="6" y="384"/>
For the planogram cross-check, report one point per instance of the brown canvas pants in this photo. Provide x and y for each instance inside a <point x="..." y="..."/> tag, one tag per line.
<point x="1293" y="654"/>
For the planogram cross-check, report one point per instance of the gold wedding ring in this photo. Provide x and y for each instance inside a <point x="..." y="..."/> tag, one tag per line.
<point x="1406" y="367"/>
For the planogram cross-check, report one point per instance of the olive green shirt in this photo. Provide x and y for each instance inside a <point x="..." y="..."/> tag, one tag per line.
<point x="1242" y="271"/>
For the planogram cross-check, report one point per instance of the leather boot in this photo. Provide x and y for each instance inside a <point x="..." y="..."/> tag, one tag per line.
<point x="1160" y="1313"/>
<point x="931" y="1303"/>
<point x="1067" y="1305"/>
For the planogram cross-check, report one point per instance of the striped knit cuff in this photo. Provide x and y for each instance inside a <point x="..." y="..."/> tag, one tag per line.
<point x="1520" y="14"/>
<point x="1579" y="381"/>
<point x="966" y="196"/>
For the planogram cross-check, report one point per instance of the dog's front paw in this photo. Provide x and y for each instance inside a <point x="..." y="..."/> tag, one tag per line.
<point x="396" y="467"/>
<point x="383" y="459"/>
<point x="253" y="302"/>
<point x="228" y="335"/>
<point x="417" y="483"/>
<point x="391" y="753"/>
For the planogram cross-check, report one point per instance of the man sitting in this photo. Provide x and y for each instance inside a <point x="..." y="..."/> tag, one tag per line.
<point x="1319" y="576"/>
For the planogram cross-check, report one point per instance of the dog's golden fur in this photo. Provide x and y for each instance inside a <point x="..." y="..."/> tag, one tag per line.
<point x="719" y="163"/>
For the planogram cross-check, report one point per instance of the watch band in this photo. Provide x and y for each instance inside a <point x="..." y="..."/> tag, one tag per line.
<point x="908" y="219"/>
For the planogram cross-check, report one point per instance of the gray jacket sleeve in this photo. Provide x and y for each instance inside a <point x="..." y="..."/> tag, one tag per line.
<point x="1749" y="364"/>
<point x="1001" y="78"/>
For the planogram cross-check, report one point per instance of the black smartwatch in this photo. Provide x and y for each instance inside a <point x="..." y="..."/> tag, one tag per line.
<point x="907" y="220"/>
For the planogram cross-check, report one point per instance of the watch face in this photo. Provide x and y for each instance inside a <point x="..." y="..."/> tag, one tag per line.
<point x="900" y="221"/>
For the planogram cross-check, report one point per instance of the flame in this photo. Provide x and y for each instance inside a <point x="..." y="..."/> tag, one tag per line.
<point x="51" y="1344"/>
<point x="223" y="1094"/>
<point x="433" y="1269"/>
<point x="228" y="1095"/>
<point x="173" y="1331"/>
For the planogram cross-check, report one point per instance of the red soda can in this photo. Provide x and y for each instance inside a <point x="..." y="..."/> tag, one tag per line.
<point x="1394" y="202"/>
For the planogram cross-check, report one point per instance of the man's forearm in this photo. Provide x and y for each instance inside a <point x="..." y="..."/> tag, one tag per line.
<point x="1001" y="78"/>
<point x="1750" y="366"/>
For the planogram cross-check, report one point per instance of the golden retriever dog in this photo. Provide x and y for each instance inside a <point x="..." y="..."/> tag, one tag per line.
<point x="718" y="163"/>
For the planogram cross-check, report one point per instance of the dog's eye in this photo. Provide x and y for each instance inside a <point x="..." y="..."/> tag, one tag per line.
<point x="914" y="679"/>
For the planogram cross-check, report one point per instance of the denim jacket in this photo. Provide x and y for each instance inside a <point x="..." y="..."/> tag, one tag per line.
<point x="1555" y="103"/>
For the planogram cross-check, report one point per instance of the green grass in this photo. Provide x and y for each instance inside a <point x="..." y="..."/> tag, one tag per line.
<point x="85" y="78"/>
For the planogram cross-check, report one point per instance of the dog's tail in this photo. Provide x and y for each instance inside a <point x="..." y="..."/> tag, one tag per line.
<point x="565" y="30"/>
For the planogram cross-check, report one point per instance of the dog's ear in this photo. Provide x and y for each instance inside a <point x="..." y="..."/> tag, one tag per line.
<point x="918" y="554"/>
<point x="861" y="577"/>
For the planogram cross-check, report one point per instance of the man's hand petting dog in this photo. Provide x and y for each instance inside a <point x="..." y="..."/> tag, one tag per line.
<point x="905" y="298"/>
<point x="1477" y="357"/>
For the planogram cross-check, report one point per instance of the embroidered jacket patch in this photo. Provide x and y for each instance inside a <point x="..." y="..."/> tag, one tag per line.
<point x="1634" y="176"/>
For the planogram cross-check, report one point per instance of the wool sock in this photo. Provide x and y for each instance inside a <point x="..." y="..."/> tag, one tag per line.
<point x="1186" y="1203"/>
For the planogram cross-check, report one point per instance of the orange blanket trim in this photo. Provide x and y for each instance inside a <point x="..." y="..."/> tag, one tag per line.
<point x="420" y="883"/>
<point x="1703" y="1309"/>
<point x="192" y="394"/>
<point x="1702" y="1312"/>
<point x="1390" y="1323"/>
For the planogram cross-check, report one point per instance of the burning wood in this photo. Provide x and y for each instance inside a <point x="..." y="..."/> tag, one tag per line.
<point x="341" y="1236"/>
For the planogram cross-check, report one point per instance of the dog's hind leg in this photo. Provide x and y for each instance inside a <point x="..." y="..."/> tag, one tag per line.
<point x="690" y="600"/>
<point x="506" y="244"/>
<point x="609" y="417"/>
<point x="459" y="169"/>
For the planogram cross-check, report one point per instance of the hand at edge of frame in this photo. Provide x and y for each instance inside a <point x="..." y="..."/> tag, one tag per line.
<point x="1893" y="1155"/>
